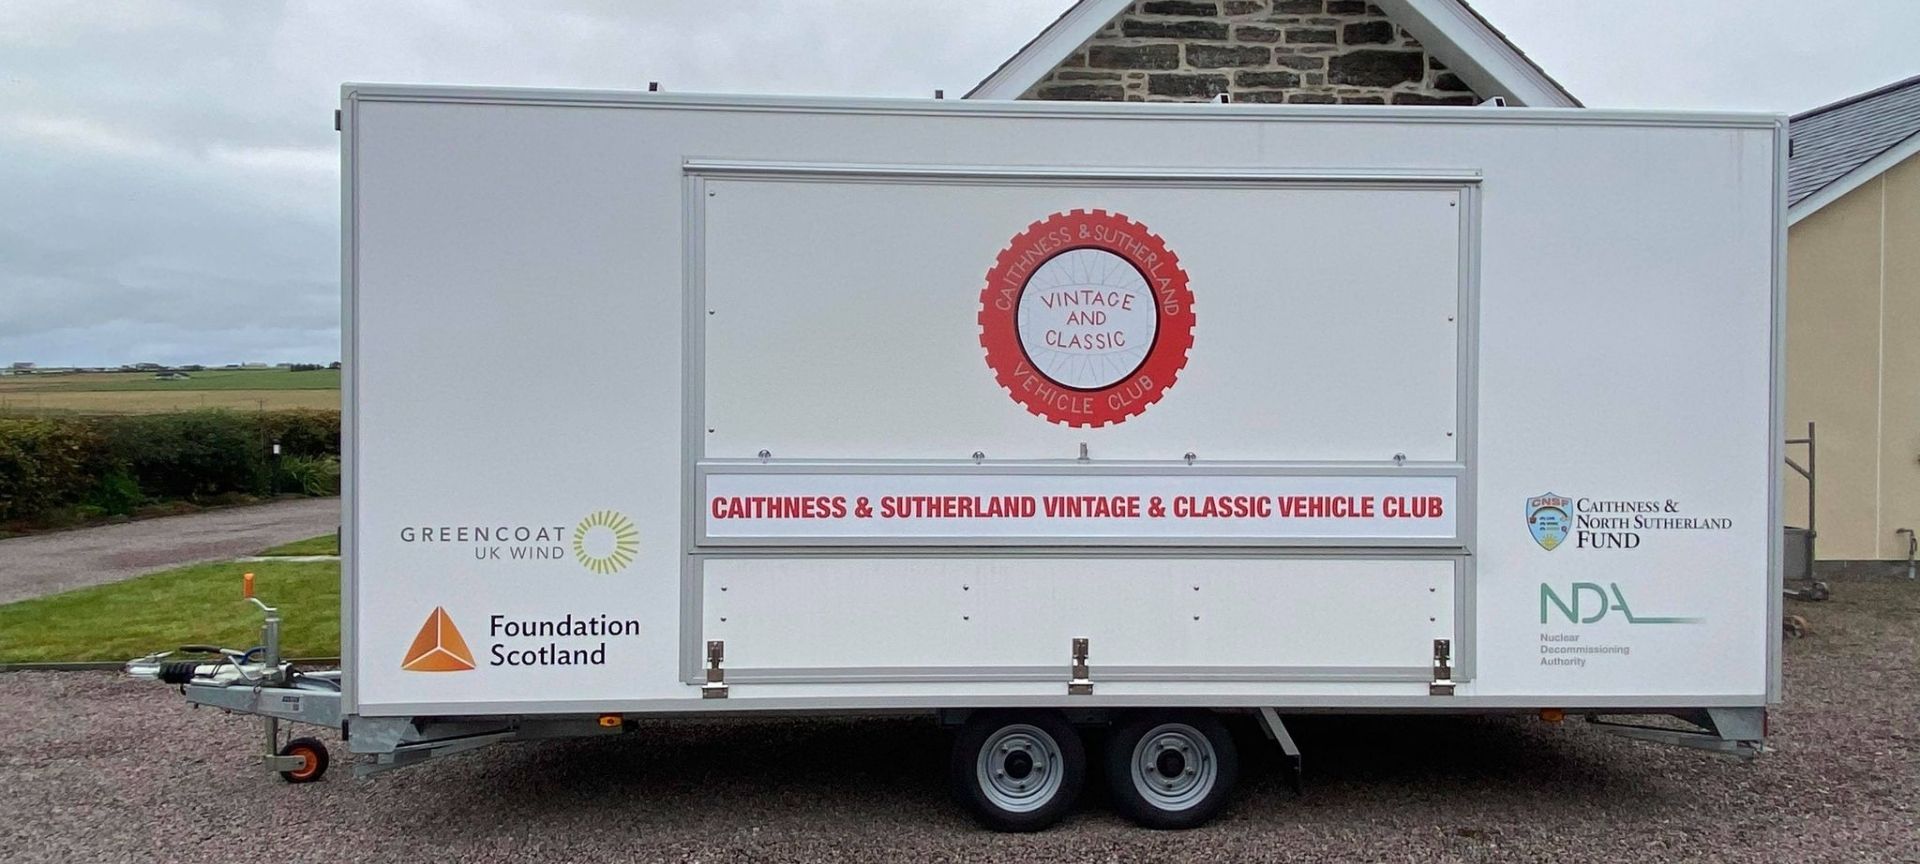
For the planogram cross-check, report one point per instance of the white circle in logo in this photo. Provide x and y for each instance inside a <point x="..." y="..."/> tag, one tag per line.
<point x="1087" y="318"/>
<point x="606" y="541"/>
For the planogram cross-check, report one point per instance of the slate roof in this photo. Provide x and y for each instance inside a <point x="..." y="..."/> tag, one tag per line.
<point x="1831" y="141"/>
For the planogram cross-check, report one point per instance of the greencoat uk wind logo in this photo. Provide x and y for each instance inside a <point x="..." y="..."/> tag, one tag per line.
<point x="606" y="542"/>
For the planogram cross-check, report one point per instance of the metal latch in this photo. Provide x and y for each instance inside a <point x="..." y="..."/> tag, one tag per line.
<point x="1442" y="668"/>
<point x="1081" y="684"/>
<point x="716" y="686"/>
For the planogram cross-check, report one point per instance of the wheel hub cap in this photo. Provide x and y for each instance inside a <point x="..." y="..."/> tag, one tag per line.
<point x="1174" y="766"/>
<point x="1019" y="768"/>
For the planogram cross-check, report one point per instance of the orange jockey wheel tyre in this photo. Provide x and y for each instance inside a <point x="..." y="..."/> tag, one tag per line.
<point x="315" y="754"/>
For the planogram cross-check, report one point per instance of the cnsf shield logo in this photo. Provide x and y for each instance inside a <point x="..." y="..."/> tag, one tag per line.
<point x="1086" y="318"/>
<point x="1549" y="517"/>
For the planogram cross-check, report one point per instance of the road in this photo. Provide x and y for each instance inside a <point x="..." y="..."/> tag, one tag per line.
<point x="63" y="560"/>
<point x="100" y="768"/>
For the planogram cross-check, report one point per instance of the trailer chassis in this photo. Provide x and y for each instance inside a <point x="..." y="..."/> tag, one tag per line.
<point x="259" y="682"/>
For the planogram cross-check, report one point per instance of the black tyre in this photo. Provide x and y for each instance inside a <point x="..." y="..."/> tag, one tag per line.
<point x="1018" y="770"/>
<point x="315" y="754"/>
<point x="1171" y="769"/>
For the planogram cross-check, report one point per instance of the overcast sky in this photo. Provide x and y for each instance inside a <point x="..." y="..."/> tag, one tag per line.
<point x="169" y="173"/>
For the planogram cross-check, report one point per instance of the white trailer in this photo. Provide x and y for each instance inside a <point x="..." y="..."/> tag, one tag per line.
<point x="1039" y="414"/>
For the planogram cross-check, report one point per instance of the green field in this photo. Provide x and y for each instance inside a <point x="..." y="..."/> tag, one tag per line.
<point x="211" y="379"/>
<point x="325" y="544"/>
<point x="141" y="393"/>
<point x="197" y="604"/>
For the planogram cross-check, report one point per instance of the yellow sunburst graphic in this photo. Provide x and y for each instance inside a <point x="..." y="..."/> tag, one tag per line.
<point x="626" y="542"/>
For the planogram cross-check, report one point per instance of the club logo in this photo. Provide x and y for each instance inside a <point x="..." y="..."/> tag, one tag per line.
<point x="438" y="647"/>
<point x="605" y="542"/>
<point x="1549" y="517"/>
<point x="1086" y="318"/>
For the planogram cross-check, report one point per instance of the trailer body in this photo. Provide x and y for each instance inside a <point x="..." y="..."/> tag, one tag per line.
<point x="683" y="404"/>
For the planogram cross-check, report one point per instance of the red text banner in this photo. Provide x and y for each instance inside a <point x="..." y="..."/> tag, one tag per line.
<point x="936" y="509"/>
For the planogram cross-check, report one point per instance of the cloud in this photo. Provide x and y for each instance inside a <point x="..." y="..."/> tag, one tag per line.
<point x="168" y="168"/>
<point x="1753" y="55"/>
<point x="171" y="173"/>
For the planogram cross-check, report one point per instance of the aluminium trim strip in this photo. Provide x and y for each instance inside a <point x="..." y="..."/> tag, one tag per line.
<point x="1777" y="420"/>
<point x="1128" y="468"/>
<point x="1079" y="553"/>
<point x="693" y="419"/>
<point x="1208" y="176"/>
<point x="445" y="94"/>
<point x="1102" y="674"/>
<point x="741" y="701"/>
<point x="972" y="546"/>
<point x="1467" y="421"/>
<point x="349" y="135"/>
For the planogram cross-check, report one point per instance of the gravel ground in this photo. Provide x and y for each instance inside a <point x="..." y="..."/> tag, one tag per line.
<point x="64" y="560"/>
<point x="99" y="769"/>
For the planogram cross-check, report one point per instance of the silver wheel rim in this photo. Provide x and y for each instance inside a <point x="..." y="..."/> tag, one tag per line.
<point x="1174" y="766"/>
<point x="1019" y="768"/>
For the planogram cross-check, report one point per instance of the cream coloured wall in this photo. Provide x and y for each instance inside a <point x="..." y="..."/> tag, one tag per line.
<point x="1853" y="364"/>
<point x="1900" y="394"/>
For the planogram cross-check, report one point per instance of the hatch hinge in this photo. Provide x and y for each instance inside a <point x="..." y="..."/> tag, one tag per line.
<point x="716" y="686"/>
<point x="336" y="119"/>
<point x="1442" y="668"/>
<point x="1082" y="683"/>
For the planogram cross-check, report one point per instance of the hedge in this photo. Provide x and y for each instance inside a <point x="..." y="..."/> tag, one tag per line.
<point x="57" y="468"/>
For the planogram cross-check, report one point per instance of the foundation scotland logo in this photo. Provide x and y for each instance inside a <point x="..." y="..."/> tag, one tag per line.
<point x="438" y="647"/>
<point x="606" y="542"/>
<point x="1549" y="517"/>
<point x="1086" y="318"/>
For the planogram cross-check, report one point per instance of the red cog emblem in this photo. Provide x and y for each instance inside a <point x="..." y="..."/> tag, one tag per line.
<point x="1086" y="318"/>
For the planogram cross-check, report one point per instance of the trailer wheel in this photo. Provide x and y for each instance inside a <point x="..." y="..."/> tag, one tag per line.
<point x="1171" y="769"/>
<point x="314" y="752"/>
<point x="1018" y="770"/>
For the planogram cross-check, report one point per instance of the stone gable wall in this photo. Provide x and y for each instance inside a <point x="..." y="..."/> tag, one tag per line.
<point x="1301" y="51"/>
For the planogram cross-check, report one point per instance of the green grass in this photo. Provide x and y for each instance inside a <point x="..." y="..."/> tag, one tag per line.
<point x="209" y="379"/>
<point x="197" y="604"/>
<point x="325" y="544"/>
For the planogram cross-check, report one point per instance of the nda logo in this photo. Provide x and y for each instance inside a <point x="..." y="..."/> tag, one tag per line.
<point x="438" y="647"/>
<point x="1602" y="601"/>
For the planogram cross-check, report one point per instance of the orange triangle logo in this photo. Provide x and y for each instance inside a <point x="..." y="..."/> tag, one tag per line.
<point x="438" y="647"/>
